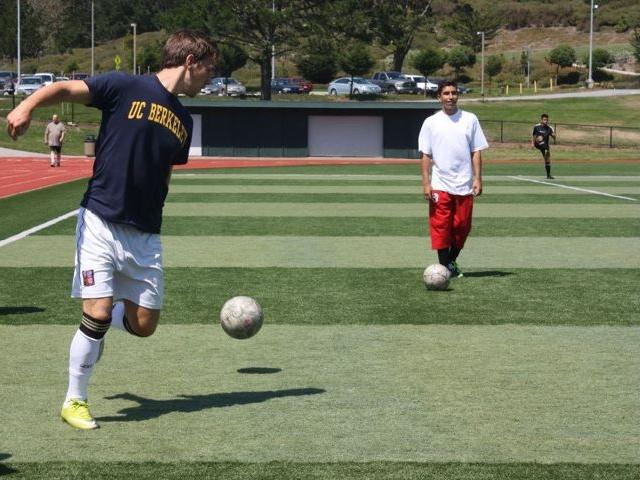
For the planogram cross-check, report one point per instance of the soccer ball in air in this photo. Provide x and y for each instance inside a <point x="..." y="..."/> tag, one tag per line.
<point x="436" y="277"/>
<point x="241" y="317"/>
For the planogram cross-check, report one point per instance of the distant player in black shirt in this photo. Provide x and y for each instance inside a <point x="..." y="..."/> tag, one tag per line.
<point x="144" y="131"/>
<point x="540" y="140"/>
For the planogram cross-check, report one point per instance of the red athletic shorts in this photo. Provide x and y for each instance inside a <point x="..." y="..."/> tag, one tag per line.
<point x="449" y="219"/>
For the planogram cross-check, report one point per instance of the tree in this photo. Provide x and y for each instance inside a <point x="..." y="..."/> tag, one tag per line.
<point x="524" y="62"/>
<point x="562" y="56"/>
<point x="30" y="22"/>
<point x="392" y="24"/>
<point x="494" y="66"/>
<point x="230" y="58"/>
<point x="460" y="57"/>
<point x="600" y="58"/>
<point x="318" y="61"/>
<point x="260" y="28"/>
<point x="8" y="45"/>
<point x="150" y="57"/>
<point x="635" y="43"/>
<point x="114" y="17"/>
<point x="395" y="24"/>
<point x="429" y="60"/>
<point x="466" y="22"/>
<point x="72" y="66"/>
<point x="65" y="24"/>
<point x="356" y="61"/>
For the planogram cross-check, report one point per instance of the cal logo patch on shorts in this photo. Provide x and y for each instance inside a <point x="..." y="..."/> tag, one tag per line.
<point x="87" y="278"/>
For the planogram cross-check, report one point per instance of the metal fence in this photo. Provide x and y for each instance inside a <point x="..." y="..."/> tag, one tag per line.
<point x="504" y="131"/>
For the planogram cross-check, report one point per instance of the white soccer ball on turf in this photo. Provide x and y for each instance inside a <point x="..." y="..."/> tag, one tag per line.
<point x="436" y="277"/>
<point x="241" y="317"/>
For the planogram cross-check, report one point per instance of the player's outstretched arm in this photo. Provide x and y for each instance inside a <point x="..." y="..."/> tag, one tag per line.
<point x="75" y="91"/>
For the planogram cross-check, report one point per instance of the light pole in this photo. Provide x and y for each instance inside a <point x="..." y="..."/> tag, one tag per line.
<point x="590" y="79"/>
<point x="482" y="64"/>
<point x="528" y="66"/>
<point x="135" y="70"/>
<point x="18" y="53"/>
<point x="273" y="46"/>
<point x="93" y="38"/>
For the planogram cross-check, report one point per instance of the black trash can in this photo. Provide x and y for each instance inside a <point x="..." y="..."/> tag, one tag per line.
<point x="90" y="146"/>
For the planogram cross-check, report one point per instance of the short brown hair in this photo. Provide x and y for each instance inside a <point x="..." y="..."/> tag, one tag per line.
<point x="446" y="83"/>
<point x="185" y="42"/>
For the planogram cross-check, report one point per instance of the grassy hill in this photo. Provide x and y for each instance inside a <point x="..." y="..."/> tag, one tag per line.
<point x="105" y="54"/>
<point x="510" y="43"/>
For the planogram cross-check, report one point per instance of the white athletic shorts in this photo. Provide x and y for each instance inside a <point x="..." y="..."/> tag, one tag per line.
<point x="119" y="261"/>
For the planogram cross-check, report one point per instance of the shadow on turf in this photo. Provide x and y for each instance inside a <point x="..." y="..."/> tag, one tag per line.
<point x="19" y="310"/>
<point x="5" y="469"/>
<point x="259" y="370"/>
<point x="148" y="408"/>
<point x="487" y="273"/>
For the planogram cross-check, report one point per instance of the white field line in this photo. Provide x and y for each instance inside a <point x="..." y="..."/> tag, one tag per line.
<point x="586" y="190"/>
<point x="37" y="228"/>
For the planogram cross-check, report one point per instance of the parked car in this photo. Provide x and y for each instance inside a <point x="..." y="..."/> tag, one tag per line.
<point x="424" y="84"/>
<point x="342" y="86"/>
<point x="306" y="85"/>
<point x="8" y="76"/>
<point x="28" y="85"/>
<point x="7" y="83"/>
<point x="285" y="85"/>
<point x="62" y="79"/>
<point x="7" y="87"/>
<point x="79" y="76"/>
<point x="224" y="85"/>
<point x="462" y="89"/>
<point x="394" y="82"/>
<point x="47" y="78"/>
<point x="419" y="79"/>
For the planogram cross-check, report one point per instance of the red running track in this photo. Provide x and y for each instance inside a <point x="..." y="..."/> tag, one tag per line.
<point x="24" y="174"/>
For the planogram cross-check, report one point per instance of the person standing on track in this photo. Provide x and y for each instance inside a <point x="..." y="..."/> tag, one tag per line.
<point x="145" y="130"/>
<point x="53" y="136"/>
<point x="540" y="140"/>
<point x="451" y="142"/>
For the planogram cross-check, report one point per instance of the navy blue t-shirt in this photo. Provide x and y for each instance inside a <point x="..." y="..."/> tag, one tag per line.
<point x="144" y="131"/>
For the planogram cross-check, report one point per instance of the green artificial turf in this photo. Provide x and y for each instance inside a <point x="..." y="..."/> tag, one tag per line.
<point x="27" y="210"/>
<point x="354" y="296"/>
<point x="317" y="471"/>
<point x="375" y="226"/>
<point x="526" y="368"/>
<point x="350" y="252"/>
<point x="487" y="197"/>
<point x="412" y="393"/>
<point x="576" y="209"/>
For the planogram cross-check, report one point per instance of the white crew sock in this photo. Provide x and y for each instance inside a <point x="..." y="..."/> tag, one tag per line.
<point x="83" y="355"/>
<point x="53" y="158"/>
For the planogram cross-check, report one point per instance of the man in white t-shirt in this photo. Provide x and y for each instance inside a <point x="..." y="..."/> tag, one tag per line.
<point x="451" y="142"/>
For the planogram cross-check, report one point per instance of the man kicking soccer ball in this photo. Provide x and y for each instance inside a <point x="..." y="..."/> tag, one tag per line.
<point x="540" y="140"/>
<point x="145" y="130"/>
<point x="451" y="142"/>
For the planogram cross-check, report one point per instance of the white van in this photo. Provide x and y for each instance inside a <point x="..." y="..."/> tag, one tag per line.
<point x="424" y="83"/>
<point x="47" y="78"/>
